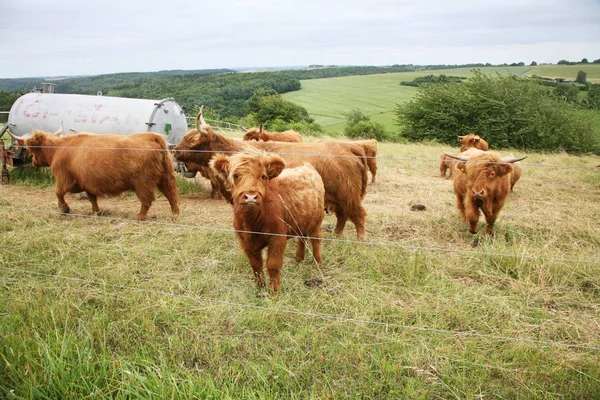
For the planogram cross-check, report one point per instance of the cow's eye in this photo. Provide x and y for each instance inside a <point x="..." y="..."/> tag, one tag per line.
<point x="492" y="174"/>
<point x="236" y="176"/>
<point x="264" y="177"/>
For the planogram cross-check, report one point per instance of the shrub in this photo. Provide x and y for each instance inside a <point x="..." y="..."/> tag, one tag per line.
<point x="360" y="126"/>
<point x="506" y="110"/>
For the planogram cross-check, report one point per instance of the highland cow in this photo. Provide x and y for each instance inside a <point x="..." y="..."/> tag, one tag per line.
<point x="106" y="165"/>
<point x="272" y="203"/>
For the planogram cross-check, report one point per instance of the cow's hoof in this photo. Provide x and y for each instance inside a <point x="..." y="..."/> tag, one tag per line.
<point x="65" y="210"/>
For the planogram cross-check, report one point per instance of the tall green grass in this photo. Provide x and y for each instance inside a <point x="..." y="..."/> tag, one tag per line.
<point x="117" y="309"/>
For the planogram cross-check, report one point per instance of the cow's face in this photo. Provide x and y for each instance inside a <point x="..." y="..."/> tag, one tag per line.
<point x="35" y="145"/>
<point x="469" y="141"/>
<point x="193" y="140"/>
<point x="248" y="175"/>
<point x="484" y="176"/>
<point x="252" y="134"/>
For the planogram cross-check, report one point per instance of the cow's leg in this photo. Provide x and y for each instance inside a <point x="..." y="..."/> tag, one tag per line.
<point x="94" y="200"/>
<point x="256" y="262"/>
<point x="472" y="214"/>
<point x="443" y="168"/>
<point x="316" y="244"/>
<point x="168" y="187"/>
<point x="275" y="262"/>
<point x="341" y="221"/>
<point x="301" y="250"/>
<point x="460" y="204"/>
<point x="372" y="164"/>
<point x="146" y="197"/>
<point x="358" y="216"/>
<point x="60" y="195"/>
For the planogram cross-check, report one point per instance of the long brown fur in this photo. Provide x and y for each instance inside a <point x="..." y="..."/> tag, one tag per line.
<point x="270" y="199"/>
<point x="344" y="173"/>
<point x="107" y="165"/>
<point x="260" y="134"/>
<point x="446" y="164"/>
<point x="472" y="140"/>
<point x="481" y="184"/>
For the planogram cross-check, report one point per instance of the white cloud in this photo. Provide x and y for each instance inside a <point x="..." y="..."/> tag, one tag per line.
<point x="64" y="37"/>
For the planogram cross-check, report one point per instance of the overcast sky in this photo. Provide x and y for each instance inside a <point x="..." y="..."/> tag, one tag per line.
<point x="78" y="37"/>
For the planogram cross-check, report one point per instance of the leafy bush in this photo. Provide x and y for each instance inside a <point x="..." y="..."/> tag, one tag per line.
<point x="360" y="126"/>
<point x="432" y="79"/>
<point x="505" y="110"/>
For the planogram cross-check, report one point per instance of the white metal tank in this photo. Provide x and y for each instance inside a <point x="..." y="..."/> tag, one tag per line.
<point x="96" y="114"/>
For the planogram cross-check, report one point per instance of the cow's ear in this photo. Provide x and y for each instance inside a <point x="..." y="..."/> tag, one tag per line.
<point x="460" y="138"/>
<point x="461" y="166"/>
<point x="504" y="169"/>
<point x="220" y="164"/>
<point x="274" y="165"/>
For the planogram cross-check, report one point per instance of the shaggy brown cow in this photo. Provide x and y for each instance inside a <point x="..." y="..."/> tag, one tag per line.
<point x="472" y="140"/>
<point x="482" y="181"/>
<point x="370" y="148"/>
<point x="260" y="134"/>
<point x="275" y="203"/>
<point x="342" y="167"/>
<point x="217" y="186"/>
<point x="106" y="165"/>
<point x="446" y="164"/>
<point x="516" y="173"/>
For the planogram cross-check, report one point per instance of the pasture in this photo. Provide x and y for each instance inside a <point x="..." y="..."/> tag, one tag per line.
<point x="567" y="71"/>
<point x="326" y="100"/>
<point x="168" y="308"/>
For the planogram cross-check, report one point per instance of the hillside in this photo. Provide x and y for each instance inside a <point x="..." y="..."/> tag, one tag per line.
<point x="376" y="95"/>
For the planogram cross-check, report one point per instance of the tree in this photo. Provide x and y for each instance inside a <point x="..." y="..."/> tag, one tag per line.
<point x="359" y="126"/>
<point x="533" y="64"/>
<point x="563" y="62"/>
<point x="584" y="61"/>
<point x="508" y="111"/>
<point x="581" y="77"/>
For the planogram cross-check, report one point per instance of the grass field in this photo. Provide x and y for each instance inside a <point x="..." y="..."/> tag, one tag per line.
<point x="327" y="100"/>
<point x="567" y="71"/>
<point x="99" y="308"/>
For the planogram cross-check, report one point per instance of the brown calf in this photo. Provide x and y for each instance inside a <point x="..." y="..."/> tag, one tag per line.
<point x="271" y="203"/>
<point x="107" y="165"/>
<point x="481" y="182"/>
<point x="472" y="140"/>
<point x="259" y="134"/>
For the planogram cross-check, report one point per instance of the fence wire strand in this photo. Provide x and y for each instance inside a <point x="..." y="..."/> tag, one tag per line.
<point x="330" y="317"/>
<point x="260" y="151"/>
<point x="334" y="240"/>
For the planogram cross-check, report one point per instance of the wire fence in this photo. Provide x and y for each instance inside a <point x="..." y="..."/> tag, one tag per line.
<point x="331" y="317"/>
<point x="332" y="240"/>
<point x="337" y="318"/>
<point x="257" y="150"/>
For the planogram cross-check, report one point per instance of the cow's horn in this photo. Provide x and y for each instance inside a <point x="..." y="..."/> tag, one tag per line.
<point x="59" y="131"/>
<point x="512" y="160"/>
<point x="461" y="137"/>
<point x="198" y="119"/>
<point x="12" y="135"/>
<point x="202" y="121"/>
<point x="461" y="158"/>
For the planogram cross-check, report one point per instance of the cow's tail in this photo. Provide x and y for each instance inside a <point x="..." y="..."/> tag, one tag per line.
<point x="360" y="153"/>
<point x="168" y="182"/>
